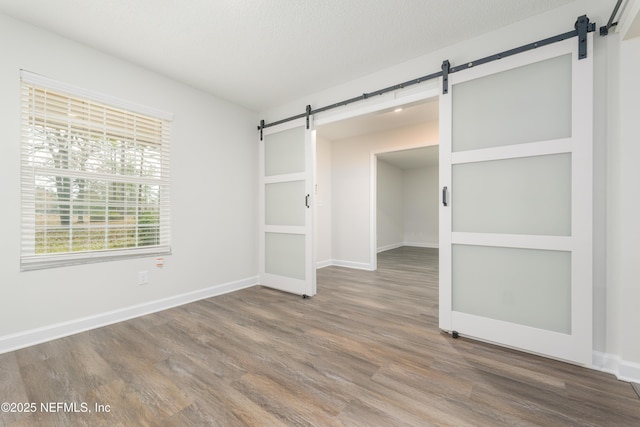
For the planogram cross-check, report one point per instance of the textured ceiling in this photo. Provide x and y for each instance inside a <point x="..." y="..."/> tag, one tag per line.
<point x="264" y="53"/>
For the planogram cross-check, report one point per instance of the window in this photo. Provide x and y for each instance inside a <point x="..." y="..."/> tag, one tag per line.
<point x="95" y="176"/>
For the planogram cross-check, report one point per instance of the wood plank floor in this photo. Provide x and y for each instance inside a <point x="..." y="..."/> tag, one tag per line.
<point x="365" y="351"/>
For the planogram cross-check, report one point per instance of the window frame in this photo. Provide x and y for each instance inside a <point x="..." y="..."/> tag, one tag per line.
<point x="30" y="259"/>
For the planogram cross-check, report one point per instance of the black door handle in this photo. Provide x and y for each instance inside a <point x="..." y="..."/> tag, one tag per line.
<point x="444" y="196"/>
<point x="306" y="200"/>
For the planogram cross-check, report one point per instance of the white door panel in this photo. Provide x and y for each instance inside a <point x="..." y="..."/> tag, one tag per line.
<point x="287" y="256"/>
<point x="516" y="230"/>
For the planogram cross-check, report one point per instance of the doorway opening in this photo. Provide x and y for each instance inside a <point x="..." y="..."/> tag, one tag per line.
<point x="405" y="204"/>
<point x="403" y="138"/>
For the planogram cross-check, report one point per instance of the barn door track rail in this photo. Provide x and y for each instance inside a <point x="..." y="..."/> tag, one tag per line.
<point x="582" y="26"/>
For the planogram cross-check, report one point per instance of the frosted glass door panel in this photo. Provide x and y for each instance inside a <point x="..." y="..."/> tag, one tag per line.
<point x="529" y="195"/>
<point x="285" y="152"/>
<point x="524" y="286"/>
<point x="526" y="104"/>
<point x="285" y="255"/>
<point x="284" y="203"/>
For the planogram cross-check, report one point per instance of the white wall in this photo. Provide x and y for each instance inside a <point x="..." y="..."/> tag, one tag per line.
<point x="630" y="137"/>
<point x="421" y="203"/>
<point x="323" y="201"/>
<point x="351" y="161"/>
<point x="623" y="268"/>
<point x="390" y="206"/>
<point x="615" y="182"/>
<point x="407" y="211"/>
<point x="213" y="190"/>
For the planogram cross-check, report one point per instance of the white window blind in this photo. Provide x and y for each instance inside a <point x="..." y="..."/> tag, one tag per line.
<point x="95" y="176"/>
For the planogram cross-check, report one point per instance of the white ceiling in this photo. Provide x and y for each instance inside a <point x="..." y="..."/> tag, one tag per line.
<point x="385" y="120"/>
<point x="264" y="53"/>
<point x="413" y="158"/>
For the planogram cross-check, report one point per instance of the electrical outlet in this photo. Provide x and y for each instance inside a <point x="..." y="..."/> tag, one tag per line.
<point x="143" y="277"/>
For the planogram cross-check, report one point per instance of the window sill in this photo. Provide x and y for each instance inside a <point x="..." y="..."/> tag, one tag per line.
<point x="40" y="262"/>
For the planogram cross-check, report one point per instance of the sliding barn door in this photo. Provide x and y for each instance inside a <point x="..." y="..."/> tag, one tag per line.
<point x="516" y="214"/>
<point x="287" y="259"/>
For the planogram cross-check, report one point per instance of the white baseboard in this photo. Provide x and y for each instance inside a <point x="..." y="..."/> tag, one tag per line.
<point x="352" y="264"/>
<point x="390" y="247"/>
<point x="422" y="245"/>
<point x="325" y="263"/>
<point x="367" y="266"/>
<point x="412" y="244"/>
<point x="59" y="330"/>
<point x="613" y="364"/>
